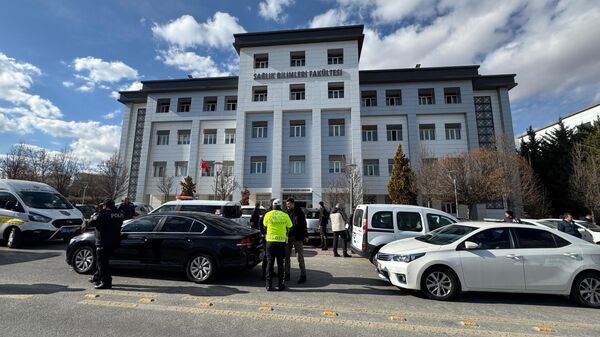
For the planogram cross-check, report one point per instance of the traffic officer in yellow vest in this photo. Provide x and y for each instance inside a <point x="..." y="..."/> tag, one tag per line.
<point x="277" y="224"/>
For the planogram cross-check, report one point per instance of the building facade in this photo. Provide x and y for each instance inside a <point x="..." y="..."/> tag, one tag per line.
<point x="300" y="113"/>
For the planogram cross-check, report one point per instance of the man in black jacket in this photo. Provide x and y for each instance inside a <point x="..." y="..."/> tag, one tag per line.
<point x="323" y="221"/>
<point x="108" y="237"/>
<point x="127" y="208"/>
<point x="297" y="236"/>
<point x="568" y="226"/>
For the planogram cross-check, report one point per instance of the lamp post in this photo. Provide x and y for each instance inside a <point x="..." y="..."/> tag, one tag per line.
<point x="83" y="197"/>
<point x="217" y="174"/>
<point x="350" y="179"/>
<point x="452" y="176"/>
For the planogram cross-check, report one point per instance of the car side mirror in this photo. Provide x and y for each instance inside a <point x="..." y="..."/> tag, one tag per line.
<point x="470" y="245"/>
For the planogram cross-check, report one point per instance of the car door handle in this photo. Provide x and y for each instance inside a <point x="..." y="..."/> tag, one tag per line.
<point x="514" y="257"/>
<point x="571" y="255"/>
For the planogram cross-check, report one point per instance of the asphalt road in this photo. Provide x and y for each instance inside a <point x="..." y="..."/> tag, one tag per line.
<point x="41" y="296"/>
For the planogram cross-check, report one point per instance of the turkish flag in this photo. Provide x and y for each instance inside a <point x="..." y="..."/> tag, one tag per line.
<point x="204" y="166"/>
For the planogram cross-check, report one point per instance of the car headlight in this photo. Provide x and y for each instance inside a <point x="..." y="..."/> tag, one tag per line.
<point x="407" y="258"/>
<point x="38" y="217"/>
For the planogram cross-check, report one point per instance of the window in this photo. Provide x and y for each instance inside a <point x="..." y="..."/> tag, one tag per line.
<point x="143" y="225"/>
<point x="449" y="207"/>
<point x="177" y="224"/>
<point x="230" y="103"/>
<point x="394" y="132"/>
<point x="10" y="200"/>
<point x="198" y="227"/>
<point x="336" y="163"/>
<point x="297" y="59"/>
<point x="453" y="131"/>
<point x="259" y="129"/>
<point x="163" y="137"/>
<point x="227" y="168"/>
<point x="211" y="170"/>
<point x="335" y="90"/>
<point x="210" y="103"/>
<point x="494" y="238"/>
<point x="426" y="96"/>
<point x="452" y="95"/>
<point x="297" y="164"/>
<point x="165" y="208"/>
<point x="371" y="167"/>
<point x="258" y="165"/>
<point x="181" y="168"/>
<point x="163" y="105"/>
<point x="261" y="61"/>
<point x="436" y="221"/>
<point x="184" y="104"/>
<point x="368" y="98"/>
<point x="369" y="133"/>
<point x="183" y="137"/>
<point x="297" y="129"/>
<point x="427" y="131"/>
<point x="335" y="56"/>
<point x="210" y="136"/>
<point x="337" y="128"/>
<point x="160" y="168"/>
<point x="229" y="136"/>
<point x="390" y="166"/>
<point x="393" y="97"/>
<point x="259" y="94"/>
<point x="297" y="92"/>
<point x="409" y="221"/>
<point x="383" y="220"/>
<point x="536" y="238"/>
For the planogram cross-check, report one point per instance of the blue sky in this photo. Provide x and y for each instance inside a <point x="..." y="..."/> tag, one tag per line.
<point x="61" y="62"/>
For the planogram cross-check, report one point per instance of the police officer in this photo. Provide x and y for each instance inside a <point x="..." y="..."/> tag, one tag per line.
<point x="127" y="208"/>
<point x="277" y="224"/>
<point x="108" y="236"/>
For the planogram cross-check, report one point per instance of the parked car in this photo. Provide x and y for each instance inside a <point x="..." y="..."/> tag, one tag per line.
<point x="196" y="243"/>
<point x="375" y="225"/>
<point x="140" y="208"/>
<point x="312" y="223"/>
<point x="589" y="231"/>
<point x="44" y="213"/>
<point x="494" y="257"/>
<point x="227" y="209"/>
<point x="247" y="213"/>
<point x="86" y="210"/>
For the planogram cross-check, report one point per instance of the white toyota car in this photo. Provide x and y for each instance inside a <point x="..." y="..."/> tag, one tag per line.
<point x="494" y="257"/>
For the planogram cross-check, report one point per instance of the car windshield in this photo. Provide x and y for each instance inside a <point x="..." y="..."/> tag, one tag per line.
<point x="446" y="235"/>
<point x="312" y="215"/>
<point x="549" y="223"/>
<point x="247" y="211"/>
<point x="44" y="200"/>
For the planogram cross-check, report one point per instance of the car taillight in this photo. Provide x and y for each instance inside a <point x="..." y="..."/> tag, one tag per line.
<point x="248" y="241"/>
<point x="365" y="229"/>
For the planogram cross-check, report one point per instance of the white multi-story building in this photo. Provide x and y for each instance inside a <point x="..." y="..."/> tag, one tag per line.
<point x="299" y="112"/>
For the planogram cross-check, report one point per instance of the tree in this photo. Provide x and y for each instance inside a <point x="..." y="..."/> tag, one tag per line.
<point x="65" y="167"/>
<point x="114" y="177"/>
<point x="165" y="186"/>
<point x="531" y="149"/>
<point x="346" y="187"/>
<point x="585" y="180"/>
<point x="225" y="184"/>
<point x="188" y="187"/>
<point x="245" y="196"/>
<point x="427" y="175"/>
<point x="402" y="183"/>
<point x="15" y="165"/>
<point x="535" y="202"/>
<point x="41" y="165"/>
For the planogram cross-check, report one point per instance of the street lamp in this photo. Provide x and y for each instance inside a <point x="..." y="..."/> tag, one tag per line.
<point x="455" y="192"/>
<point x="83" y="198"/>
<point x="217" y="173"/>
<point x="349" y="172"/>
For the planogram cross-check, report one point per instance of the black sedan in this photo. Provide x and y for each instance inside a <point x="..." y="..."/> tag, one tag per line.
<point x="198" y="243"/>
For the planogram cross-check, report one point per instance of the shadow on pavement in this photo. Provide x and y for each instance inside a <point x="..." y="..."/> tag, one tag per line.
<point x="57" y="245"/>
<point x="16" y="256"/>
<point x="192" y="290"/>
<point x="514" y="298"/>
<point x="35" y="289"/>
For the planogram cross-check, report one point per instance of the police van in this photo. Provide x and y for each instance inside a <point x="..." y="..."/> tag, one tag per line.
<point x="32" y="211"/>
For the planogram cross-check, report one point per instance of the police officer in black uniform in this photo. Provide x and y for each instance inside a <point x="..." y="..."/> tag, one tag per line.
<point x="108" y="236"/>
<point x="127" y="208"/>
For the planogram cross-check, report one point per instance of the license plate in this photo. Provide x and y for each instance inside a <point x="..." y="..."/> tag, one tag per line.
<point x="69" y="230"/>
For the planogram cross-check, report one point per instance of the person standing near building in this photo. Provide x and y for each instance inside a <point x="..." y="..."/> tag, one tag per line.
<point x="255" y="217"/>
<point x="107" y="223"/>
<point x="568" y="226"/>
<point x="338" y="225"/>
<point x="297" y="236"/>
<point x="509" y="216"/>
<point x="323" y="220"/>
<point x="277" y="224"/>
<point x="127" y="208"/>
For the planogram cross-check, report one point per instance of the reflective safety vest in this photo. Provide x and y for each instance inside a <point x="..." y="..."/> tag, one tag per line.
<point x="277" y="223"/>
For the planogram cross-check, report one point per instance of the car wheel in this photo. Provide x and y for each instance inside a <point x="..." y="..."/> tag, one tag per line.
<point x="15" y="238"/>
<point x="440" y="284"/>
<point x="83" y="260"/>
<point x="586" y="289"/>
<point x="200" y="268"/>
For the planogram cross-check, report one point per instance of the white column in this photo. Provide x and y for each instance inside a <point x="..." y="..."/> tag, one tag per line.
<point x="145" y="165"/>
<point x="275" y="159"/>
<point x="193" y="159"/>
<point x="238" y="164"/>
<point x="316" y="157"/>
<point x="128" y="116"/>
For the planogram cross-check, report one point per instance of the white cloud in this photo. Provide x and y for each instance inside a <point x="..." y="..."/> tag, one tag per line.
<point x="133" y="86"/>
<point x="192" y="63"/>
<point x="333" y="17"/>
<point x="99" y="72"/>
<point x="273" y="9"/>
<point x="68" y="84"/>
<point x="111" y="115"/>
<point x="390" y="11"/>
<point x="185" y="31"/>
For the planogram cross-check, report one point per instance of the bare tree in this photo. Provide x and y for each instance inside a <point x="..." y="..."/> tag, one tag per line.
<point x="346" y="188"/>
<point x="509" y="173"/>
<point x="535" y="203"/>
<point x="15" y="165"/>
<point x="65" y="166"/>
<point x="225" y="184"/>
<point x="585" y="179"/>
<point x="114" y="177"/>
<point x="165" y="186"/>
<point x="41" y="162"/>
<point x="427" y="175"/>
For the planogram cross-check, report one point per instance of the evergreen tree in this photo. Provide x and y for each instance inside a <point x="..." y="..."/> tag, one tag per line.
<point x="188" y="187"/>
<point x="530" y="150"/>
<point x="401" y="186"/>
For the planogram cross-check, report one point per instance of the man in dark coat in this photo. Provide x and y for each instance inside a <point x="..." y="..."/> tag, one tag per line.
<point x="108" y="236"/>
<point x="323" y="221"/>
<point x="297" y="236"/>
<point x="568" y="226"/>
<point x="127" y="208"/>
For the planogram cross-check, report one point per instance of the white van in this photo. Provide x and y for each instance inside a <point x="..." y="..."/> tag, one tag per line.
<point x="228" y="209"/>
<point x="375" y="225"/>
<point x="45" y="213"/>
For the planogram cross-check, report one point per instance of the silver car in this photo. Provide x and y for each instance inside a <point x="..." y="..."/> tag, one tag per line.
<point x="312" y="223"/>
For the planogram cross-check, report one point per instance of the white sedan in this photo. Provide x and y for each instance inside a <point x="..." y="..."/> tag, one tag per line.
<point x="495" y="257"/>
